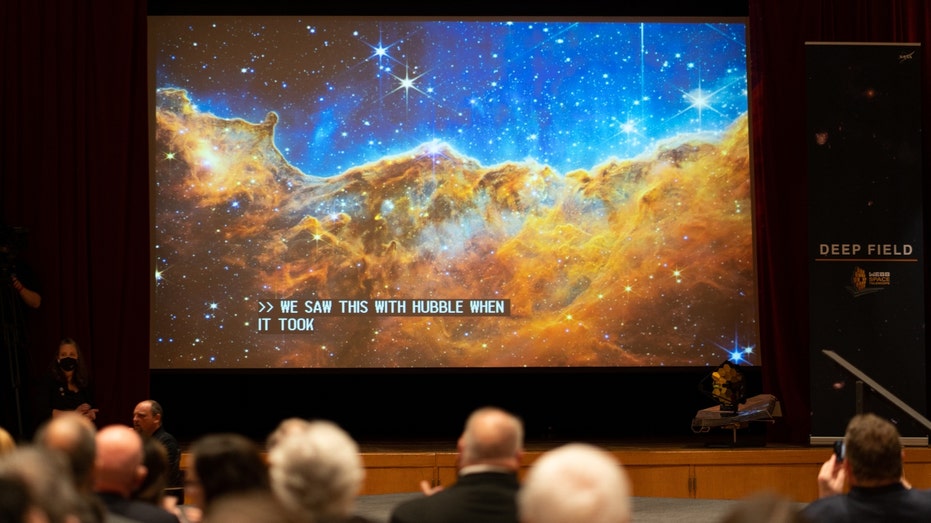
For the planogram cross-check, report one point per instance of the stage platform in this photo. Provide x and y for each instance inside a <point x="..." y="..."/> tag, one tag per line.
<point x="706" y="467"/>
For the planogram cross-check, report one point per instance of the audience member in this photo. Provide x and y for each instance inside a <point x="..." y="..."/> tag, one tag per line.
<point x="222" y="465"/>
<point x="16" y="503"/>
<point x="147" y="420"/>
<point x="252" y="507"/>
<point x="43" y="475"/>
<point x="155" y="460"/>
<point x="575" y="482"/>
<point x="872" y="467"/>
<point x="316" y="471"/>
<point x="7" y="443"/>
<point x="69" y="386"/>
<point x="74" y="436"/>
<point x="286" y="427"/>
<point x="153" y="488"/>
<point x="118" y="472"/>
<point x="489" y="456"/>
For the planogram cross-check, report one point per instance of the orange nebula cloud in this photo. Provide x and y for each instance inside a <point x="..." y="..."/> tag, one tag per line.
<point x="640" y="262"/>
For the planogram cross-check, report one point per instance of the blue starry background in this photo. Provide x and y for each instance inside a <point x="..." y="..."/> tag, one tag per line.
<point x="352" y="90"/>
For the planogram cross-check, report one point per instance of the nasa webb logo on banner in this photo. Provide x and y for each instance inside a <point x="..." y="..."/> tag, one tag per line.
<point x="863" y="281"/>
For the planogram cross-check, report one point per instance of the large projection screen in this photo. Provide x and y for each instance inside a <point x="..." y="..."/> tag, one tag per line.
<point x="371" y="192"/>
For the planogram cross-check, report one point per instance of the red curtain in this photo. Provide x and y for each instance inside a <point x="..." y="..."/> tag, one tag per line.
<point x="74" y="171"/>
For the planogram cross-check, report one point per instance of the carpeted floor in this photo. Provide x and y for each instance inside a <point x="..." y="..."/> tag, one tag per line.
<point x="646" y="510"/>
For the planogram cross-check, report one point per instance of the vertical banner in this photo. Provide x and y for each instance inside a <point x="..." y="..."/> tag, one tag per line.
<point x="866" y="287"/>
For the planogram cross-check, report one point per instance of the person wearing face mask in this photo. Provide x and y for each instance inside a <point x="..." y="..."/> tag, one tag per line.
<point x="69" y="387"/>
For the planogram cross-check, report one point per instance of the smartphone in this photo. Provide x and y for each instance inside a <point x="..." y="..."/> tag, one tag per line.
<point x="839" y="450"/>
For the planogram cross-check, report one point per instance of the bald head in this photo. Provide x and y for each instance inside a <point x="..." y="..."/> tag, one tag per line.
<point x="492" y="436"/>
<point x="118" y="467"/>
<point x="7" y="443"/>
<point x="63" y="431"/>
<point x="74" y="435"/>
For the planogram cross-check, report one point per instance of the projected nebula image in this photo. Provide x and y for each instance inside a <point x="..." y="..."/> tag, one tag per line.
<point x="364" y="193"/>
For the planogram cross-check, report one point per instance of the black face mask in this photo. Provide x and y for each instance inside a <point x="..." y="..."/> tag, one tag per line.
<point x="68" y="363"/>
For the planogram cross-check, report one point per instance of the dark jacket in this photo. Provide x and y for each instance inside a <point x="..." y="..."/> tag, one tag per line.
<point x="489" y="497"/>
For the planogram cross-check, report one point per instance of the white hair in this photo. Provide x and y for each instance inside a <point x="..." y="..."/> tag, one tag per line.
<point x="316" y="470"/>
<point x="575" y="482"/>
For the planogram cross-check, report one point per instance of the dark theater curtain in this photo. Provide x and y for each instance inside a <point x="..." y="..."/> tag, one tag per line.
<point x="74" y="171"/>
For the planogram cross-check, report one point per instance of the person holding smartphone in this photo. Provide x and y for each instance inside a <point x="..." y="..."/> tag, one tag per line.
<point x="869" y="462"/>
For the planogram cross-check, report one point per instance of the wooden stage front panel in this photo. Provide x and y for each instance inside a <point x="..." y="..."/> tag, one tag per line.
<point x="668" y="472"/>
<point x="726" y="473"/>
